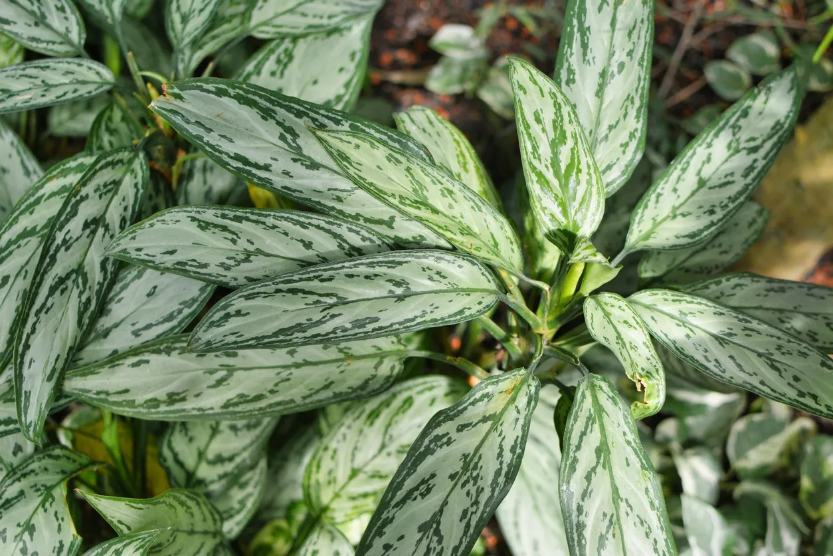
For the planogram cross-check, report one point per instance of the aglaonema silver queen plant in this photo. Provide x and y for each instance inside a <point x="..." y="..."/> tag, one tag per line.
<point x="142" y="307"/>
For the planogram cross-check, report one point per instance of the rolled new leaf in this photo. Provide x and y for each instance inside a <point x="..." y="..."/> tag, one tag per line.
<point x="605" y="467"/>
<point x="51" y="27"/>
<point x="51" y="81"/>
<point x="235" y="247"/>
<point x="604" y="68"/>
<point x="714" y="175"/>
<point x="614" y="324"/>
<point x="365" y="297"/>
<point x="34" y="517"/>
<point x="72" y="278"/>
<point x="265" y="137"/>
<point x="565" y="188"/>
<point x="801" y="309"/>
<point x="732" y="347"/>
<point x="427" y="194"/>
<point x="185" y="522"/>
<point x="456" y="472"/>
<point x="165" y="381"/>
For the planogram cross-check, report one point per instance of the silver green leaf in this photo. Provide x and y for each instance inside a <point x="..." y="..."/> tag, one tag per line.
<point x="327" y="67"/>
<point x="565" y="188"/>
<point x="758" y="53"/>
<point x="614" y="324"/>
<point x="355" y="461"/>
<point x="714" y="255"/>
<point x="732" y="347"/>
<point x="707" y="531"/>
<point x="364" y="297"/>
<point x="239" y="246"/>
<point x="187" y="20"/>
<point x="700" y="472"/>
<point x="167" y="382"/>
<point x="14" y="447"/>
<point x="784" y="524"/>
<point x="107" y="12"/>
<point x="273" y="18"/>
<point x="610" y="495"/>
<point x="134" y="544"/>
<point x="801" y="309"/>
<point x="714" y="175"/>
<point x="230" y="23"/>
<point x="113" y="128"/>
<point x="142" y="305"/>
<point x="203" y="182"/>
<point x="51" y="81"/>
<point x="223" y="460"/>
<point x="74" y="119"/>
<point x="457" y="472"/>
<point x="72" y="279"/>
<point x="266" y="138"/>
<point x="285" y="475"/>
<point x="185" y="522"/>
<point x="34" y="517"/>
<point x="530" y="515"/>
<point x="761" y="444"/>
<point x="728" y="79"/>
<point x="427" y="194"/>
<point x="51" y="27"/>
<point x="816" y="490"/>
<point x="19" y="169"/>
<point x="449" y="149"/>
<point x="23" y="236"/>
<point x="604" y="68"/>
<point x="325" y="540"/>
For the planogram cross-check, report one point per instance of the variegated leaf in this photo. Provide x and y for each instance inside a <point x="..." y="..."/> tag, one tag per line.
<point x="428" y="194"/>
<point x="167" y="382"/>
<point x="610" y="495"/>
<point x="74" y="119"/>
<point x="614" y="324"/>
<point x="203" y="182"/>
<point x="14" y="448"/>
<point x="816" y="491"/>
<point x="732" y="347"/>
<point x="19" y="169"/>
<point x="801" y="309"/>
<point x="217" y="458"/>
<point x="449" y="148"/>
<point x="565" y="188"/>
<point x="107" y="12"/>
<point x="186" y="20"/>
<point x="325" y="540"/>
<point x="112" y="129"/>
<point x="700" y="472"/>
<point x="713" y="177"/>
<point x="364" y="297"/>
<point x="186" y="523"/>
<point x="34" y="517"/>
<point x="230" y="23"/>
<point x="11" y="52"/>
<point x="266" y="138"/>
<point x="22" y="238"/>
<point x="456" y="473"/>
<point x="761" y="444"/>
<point x="604" y="68"/>
<point x="141" y="306"/>
<point x="134" y="544"/>
<point x="51" y="27"/>
<point x="51" y="81"/>
<point x="707" y="531"/>
<point x="327" y="67"/>
<point x="530" y="515"/>
<point x="238" y="246"/>
<point x="784" y="524"/>
<point x="72" y="279"/>
<point x="708" y="258"/>
<point x="273" y="18"/>
<point x="356" y="460"/>
<point x="285" y="476"/>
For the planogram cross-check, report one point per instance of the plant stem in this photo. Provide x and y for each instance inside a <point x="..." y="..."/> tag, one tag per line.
<point x="463" y="364"/>
<point x="825" y="44"/>
<point x="501" y="336"/>
<point x="136" y="74"/>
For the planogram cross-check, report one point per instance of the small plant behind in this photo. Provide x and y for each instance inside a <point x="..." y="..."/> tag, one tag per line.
<point x="183" y="331"/>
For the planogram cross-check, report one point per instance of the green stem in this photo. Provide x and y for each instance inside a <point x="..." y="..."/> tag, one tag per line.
<point x="463" y="364"/>
<point x="525" y="313"/>
<point x="137" y="77"/>
<point x="825" y="44"/>
<point x="501" y="336"/>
